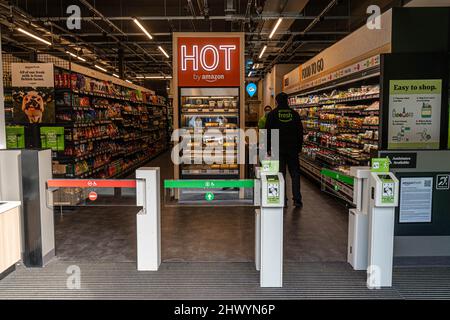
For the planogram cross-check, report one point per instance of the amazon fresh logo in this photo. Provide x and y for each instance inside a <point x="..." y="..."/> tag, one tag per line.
<point x="285" y="116"/>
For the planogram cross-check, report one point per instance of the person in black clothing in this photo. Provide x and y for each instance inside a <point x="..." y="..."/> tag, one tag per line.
<point x="288" y="122"/>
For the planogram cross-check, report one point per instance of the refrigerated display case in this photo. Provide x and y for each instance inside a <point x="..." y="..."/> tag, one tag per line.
<point x="215" y="114"/>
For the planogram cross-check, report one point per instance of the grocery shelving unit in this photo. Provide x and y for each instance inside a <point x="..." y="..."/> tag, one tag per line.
<point x="109" y="131"/>
<point x="341" y="129"/>
<point x="205" y="109"/>
<point x="169" y="120"/>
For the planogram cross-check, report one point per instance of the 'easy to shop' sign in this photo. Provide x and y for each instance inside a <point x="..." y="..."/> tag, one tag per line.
<point x="208" y="62"/>
<point x="414" y="114"/>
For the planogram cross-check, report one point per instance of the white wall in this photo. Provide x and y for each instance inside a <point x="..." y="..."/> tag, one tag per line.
<point x="428" y="3"/>
<point x="268" y="89"/>
<point x="280" y="71"/>
<point x="273" y="82"/>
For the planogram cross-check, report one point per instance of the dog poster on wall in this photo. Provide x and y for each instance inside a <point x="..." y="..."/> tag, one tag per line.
<point x="33" y="93"/>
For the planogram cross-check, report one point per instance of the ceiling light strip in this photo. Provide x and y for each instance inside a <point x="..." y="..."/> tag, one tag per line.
<point x="262" y="51"/>
<point x="275" y="27"/>
<point x="34" y="37"/>
<point x="163" y="51"/>
<point x="100" y="68"/>
<point x="142" y="28"/>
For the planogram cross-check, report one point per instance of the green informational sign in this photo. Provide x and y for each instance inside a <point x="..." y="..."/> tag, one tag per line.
<point x="414" y="114"/>
<point x="448" y="140"/>
<point x="380" y="165"/>
<point x="52" y="138"/>
<point x="273" y="190"/>
<point x="208" y="184"/>
<point x="387" y="196"/>
<point x="15" y="137"/>
<point x="271" y="166"/>
<point x="209" y="196"/>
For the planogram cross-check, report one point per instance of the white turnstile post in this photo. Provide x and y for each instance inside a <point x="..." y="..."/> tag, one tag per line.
<point x="269" y="230"/>
<point x="383" y="200"/>
<point x="358" y="219"/>
<point x="148" y="219"/>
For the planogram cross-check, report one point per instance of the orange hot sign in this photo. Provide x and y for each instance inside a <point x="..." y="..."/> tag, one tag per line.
<point x="209" y="62"/>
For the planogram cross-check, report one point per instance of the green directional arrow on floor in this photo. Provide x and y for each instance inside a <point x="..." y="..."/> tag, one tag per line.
<point x="209" y="196"/>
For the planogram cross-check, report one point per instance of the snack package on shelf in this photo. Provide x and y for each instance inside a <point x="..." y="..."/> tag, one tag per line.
<point x="371" y="120"/>
<point x="375" y="106"/>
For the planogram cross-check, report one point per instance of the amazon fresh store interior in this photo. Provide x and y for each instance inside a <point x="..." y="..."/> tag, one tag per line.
<point x="92" y="94"/>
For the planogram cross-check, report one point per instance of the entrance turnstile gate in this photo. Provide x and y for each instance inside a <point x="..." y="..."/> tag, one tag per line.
<point x="265" y="193"/>
<point x="142" y="192"/>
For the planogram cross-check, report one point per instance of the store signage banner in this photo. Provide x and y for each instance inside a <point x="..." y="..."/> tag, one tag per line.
<point x="209" y="62"/>
<point x="15" y="137"/>
<point x="414" y="114"/>
<point x="35" y="75"/>
<point x="52" y="138"/>
<point x="401" y="160"/>
<point x="33" y="93"/>
<point x="299" y="79"/>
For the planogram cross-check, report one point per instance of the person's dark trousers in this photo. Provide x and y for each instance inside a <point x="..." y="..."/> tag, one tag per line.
<point x="291" y="161"/>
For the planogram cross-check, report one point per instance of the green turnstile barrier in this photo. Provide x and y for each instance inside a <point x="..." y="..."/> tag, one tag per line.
<point x="338" y="184"/>
<point x="209" y="192"/>
<point x="337" y="176"/>
<point x="208" y="184"/>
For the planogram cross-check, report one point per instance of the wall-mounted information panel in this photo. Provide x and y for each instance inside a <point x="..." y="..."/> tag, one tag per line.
<point x="423" y="204"/>
<point x="414" y="102"/>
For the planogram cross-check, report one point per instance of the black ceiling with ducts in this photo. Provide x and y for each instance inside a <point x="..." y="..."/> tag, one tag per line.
<point x="108" y="33"/>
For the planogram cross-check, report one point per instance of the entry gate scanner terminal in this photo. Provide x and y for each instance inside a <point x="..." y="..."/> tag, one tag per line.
<point x="384" y="189"/>
<point x="269" y="227"/>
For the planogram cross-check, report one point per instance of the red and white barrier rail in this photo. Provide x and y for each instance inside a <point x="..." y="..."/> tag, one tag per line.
<point x="87" y="183"/>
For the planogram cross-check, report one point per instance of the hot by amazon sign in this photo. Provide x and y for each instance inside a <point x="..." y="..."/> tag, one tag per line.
<point x="209" y="62"/>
